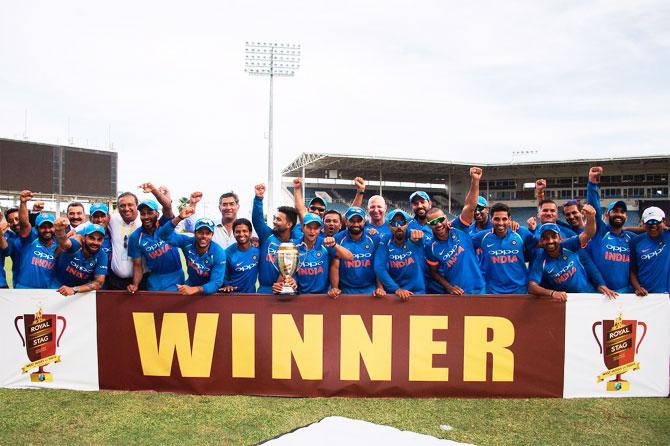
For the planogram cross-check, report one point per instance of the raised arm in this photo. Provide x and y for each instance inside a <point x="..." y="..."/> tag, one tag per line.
<point x="298" y="199"/>
<point x="590" y="228"/>
<point x="540" y="186"/>
<point x="162" y="195"/>
<point x="167" y="231"/>
<point x="262" y="228"/>
<point x="60" y="226"/>
<point x="593" y="194"/>
<point x="360" y="192"/>
<point x="24" y="219"/>
<point x="468" y="213"/>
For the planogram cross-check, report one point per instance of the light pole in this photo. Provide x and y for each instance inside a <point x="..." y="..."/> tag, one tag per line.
<point x="271" y="59"/>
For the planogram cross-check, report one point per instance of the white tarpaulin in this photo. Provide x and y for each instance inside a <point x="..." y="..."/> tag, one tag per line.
<point x="632" y="360"/>
<point x="338" y="431"/>
<point x="48" y="340"/>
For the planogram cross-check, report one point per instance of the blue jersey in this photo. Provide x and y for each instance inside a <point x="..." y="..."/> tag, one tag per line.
<point x="313" y="268"/>
<point x="38" y="264"/>
<point x="473" y="229"/>
<point x="14" y="254"/>
<point x="357" y="276"/>
<point x="456" y="259"/>
<point x="650" y="259"/>
<point x="611" y="254"/>
<point x="503" y="260"/>
<point x="3" y="274"/>
<point x="572" y="271"/>
<point x="161" y="259"/>
<point x="206" y="270"/>
<point x="398" y="267"/>
<point x="268" y="271"/>
<point x="242" y="268"/>
<point x="73" y="268"/>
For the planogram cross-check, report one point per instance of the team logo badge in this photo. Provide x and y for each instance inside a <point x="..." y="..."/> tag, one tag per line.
<point x="514" y="242"/>
<point x="619" y="349"/>
<point x="253" y="258"/>
<point x="367" y="246"/>
<point x="318" y="254"/>
<point x="40" y="342"/>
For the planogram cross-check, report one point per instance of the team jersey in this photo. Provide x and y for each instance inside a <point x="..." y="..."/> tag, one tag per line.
<point x="161" y="259"/>
<point x="456" y="259"/>
<point x="14" y="254"/>
<point x="572" y="271"/>
<point x="357" y="276"/>
<point x="38" y="265"/>
<point x="398" y="267"/>
<point x="609" y="251"/>
<point x="611" y="254"/>
<point x="268" y="271"/>
<point x="73" y="268"/>
<point x="206" y="270"/>
<point x="414" y="224"/>
<point x="503" y="260"/>
<point x="650" y="259"/>
<point x="242" y="269"/>
<point x="313" y="268"/>
<point x="3" y="254"/>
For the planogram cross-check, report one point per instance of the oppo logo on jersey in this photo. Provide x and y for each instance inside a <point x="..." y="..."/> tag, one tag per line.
<point x="565" y="273"/>
<point x="200" y="270"/>
<point x="653" y="254"/>
<point x="243" y="268"/>
<point x="451" y="257"/>
<point x="43" y="255"/>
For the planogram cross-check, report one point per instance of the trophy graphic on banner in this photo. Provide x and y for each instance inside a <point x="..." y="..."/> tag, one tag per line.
<point x="619" y="349"/>
<point x="40" y="342"/>
<point x="287" y="261"/>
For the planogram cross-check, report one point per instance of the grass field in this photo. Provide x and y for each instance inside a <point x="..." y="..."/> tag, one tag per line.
<point x="62" y="417"/>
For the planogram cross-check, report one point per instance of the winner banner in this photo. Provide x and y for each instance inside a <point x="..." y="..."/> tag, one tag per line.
<point x="431" y="346"/>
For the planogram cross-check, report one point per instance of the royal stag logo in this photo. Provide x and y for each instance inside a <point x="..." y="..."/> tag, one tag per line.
<point x="40" y="342"/>
<point x="618" y="349"/>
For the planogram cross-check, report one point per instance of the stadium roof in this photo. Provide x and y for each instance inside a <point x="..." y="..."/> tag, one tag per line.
<point x="434" y="171"/>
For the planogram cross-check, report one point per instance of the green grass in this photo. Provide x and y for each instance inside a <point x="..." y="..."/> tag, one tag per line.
<point x="59" y="416"/>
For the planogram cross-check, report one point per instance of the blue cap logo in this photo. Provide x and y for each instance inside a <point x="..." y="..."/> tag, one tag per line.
<point x="312" y="218"/>
<point x="151" y="204"/>
<point x="419" y="194"/>
<point x="354" y="211"/>
<point x="553" y="227"/>
<point x="90" y="229"/>
<point x="98" y="207"/>
<point x="44" y="218"/>
<point x="395" y="212"/>
<point x="204" y="223"/>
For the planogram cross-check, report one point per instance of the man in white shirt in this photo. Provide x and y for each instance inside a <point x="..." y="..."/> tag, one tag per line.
<point x="121" y="225"/>
<point x="229" y="204"/>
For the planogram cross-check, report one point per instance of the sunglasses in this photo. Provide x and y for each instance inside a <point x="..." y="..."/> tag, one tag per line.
<point x="437" y="221"/>
<point x="317" y="209"/>
<point x="480" y="208"/>
<point x="397" y="223"/>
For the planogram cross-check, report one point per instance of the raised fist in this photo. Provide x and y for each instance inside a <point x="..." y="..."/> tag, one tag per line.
<point x="588" y="211"/>
<point x="540" y="185"/>
<point x="297" y="183"/>
<point x="61" y="224"/>
<point x="476" y="173"/>
<point x="146" y="187"/>
<point x="38" y="207"/>
<point x="329" y="242"/>
<point x="4" y="226"/>
<point x="415" y="235"/>
<point x="186" y="212"/>
<point x="594" y="174"/>
<point x="360" y="184"/>
<point x="195" y="198"/>
<point x="25" y="196"/>
<point x="260" y="190"/>
<point x="532" y="223"/>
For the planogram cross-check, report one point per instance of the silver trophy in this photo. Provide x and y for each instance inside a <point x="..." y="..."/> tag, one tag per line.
<point x="287" y="261"/>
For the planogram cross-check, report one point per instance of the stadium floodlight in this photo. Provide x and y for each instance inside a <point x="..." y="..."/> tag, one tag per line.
<point x="271" y="59"/>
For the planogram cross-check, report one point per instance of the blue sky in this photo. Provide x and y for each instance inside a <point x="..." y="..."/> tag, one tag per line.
<point x="465" y="81"/>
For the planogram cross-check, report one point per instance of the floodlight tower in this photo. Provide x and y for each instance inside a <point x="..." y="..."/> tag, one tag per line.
<point x="271" y="59"/>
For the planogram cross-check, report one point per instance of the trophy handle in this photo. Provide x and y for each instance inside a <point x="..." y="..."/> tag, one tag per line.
<point x="593" y="329"/>
<point x="644" y="333"/>
<point x="16" y="325"/>
<point x="62" y="330"/>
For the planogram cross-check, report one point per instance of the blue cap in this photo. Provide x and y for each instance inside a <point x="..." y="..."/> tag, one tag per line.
<point x="90" y="229"/>
<point x="98" y="207"/>
<point x="354" y="211"/>
<point x="318" y="199"/>
<point x="482" y="202"/>
<point x="204" y="223"/>
<point x="617" y="204"/>
<point x="44" y="218"/>
<point x="394" y="212"/>
<point x="420" y="194"/>
<point x="311" y="218"/>
<point x="151" y="204"/>
<point x="550" y="227"/>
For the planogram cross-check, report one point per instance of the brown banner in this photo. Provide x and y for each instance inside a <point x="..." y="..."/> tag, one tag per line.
<point x="431" y="346"/>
